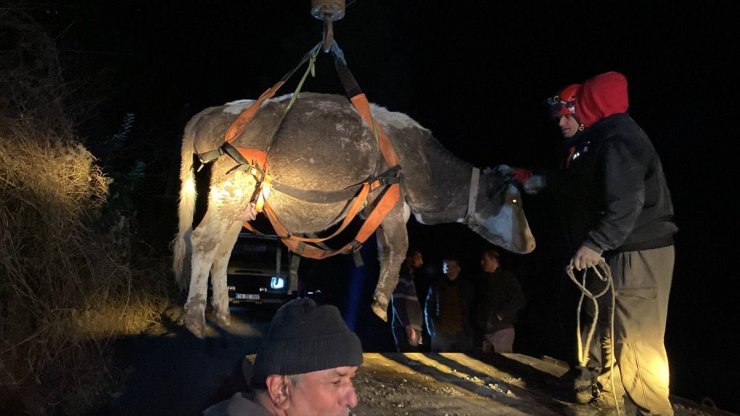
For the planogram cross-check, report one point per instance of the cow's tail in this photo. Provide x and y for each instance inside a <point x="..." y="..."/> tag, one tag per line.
<point x="182" y="244"/>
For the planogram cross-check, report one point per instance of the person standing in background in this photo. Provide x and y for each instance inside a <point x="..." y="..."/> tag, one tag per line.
<point x="499" y="298"/>
<point x="447" y="310"/>
<point x="407" y="314"/>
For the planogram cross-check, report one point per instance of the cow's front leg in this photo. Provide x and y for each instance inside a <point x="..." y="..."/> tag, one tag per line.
<point x="393" y="242"/>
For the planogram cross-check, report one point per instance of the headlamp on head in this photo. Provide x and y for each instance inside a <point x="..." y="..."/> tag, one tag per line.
<point x="565" y="102"/>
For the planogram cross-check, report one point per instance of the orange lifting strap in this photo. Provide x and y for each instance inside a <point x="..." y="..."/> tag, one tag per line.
<point x="256" y="157"/>
<point x="385" y="202"/>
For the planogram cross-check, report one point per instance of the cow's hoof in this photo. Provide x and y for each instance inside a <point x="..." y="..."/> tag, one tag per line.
<point x="197" y="328"/>
<point x="223" y="319"/>
<point x="380" y="310"/>
<point x="195" y="322"/>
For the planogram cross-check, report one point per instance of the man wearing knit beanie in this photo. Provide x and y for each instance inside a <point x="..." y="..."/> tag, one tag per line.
<point x="304" y="367"/>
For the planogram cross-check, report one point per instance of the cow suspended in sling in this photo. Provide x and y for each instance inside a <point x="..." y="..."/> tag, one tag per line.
<point x="319" y="156"/>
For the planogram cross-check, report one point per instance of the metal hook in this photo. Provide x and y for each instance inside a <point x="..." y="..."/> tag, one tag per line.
<point x="328" y="33"/>
<point x="328" y="11"/>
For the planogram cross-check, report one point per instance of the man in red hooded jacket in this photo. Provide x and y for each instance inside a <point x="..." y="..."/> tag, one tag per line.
<point x="619" y="209"/>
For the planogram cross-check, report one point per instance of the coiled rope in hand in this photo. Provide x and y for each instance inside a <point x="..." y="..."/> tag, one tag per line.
<point x="604" y="273"/>
<point x="605" y="276"/>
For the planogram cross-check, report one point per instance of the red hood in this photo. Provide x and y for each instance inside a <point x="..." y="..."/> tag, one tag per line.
<point x="602" y="96"/>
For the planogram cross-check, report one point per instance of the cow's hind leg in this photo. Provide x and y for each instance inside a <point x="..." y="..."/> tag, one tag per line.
<point x="205" y="241"/>
<point x="393" y="241"/>
<point x="220" y="300"/>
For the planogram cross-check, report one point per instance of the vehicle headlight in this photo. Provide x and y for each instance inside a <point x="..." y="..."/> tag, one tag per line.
<point x="277" y="282"/>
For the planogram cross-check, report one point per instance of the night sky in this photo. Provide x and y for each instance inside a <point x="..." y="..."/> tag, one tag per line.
<point x="476" y="74"/>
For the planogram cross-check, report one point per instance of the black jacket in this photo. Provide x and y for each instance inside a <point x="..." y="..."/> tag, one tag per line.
<point x="447" y="307"/>
<point x="406" y="307"/>
<point x="614" y="190"/>
<point x="498" y="294"/>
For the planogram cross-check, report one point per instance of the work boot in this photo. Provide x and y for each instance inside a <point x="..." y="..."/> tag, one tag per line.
<point x="586" y="393"/>
<point x="584" y="384"/>
<point x="606" y="400"/>
<point x="596" y="407"/>
<point x="603" y="405"/>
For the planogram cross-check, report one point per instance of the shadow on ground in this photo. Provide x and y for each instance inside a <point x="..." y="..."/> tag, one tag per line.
<point x="169" y="371"/>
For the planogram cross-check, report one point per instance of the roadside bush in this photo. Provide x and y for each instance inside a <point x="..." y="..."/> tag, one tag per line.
<point x="65" y="290"/>
<point x="71" y="278"/>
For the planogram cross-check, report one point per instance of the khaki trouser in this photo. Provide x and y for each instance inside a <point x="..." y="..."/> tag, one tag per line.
<point x="642" y="280"/>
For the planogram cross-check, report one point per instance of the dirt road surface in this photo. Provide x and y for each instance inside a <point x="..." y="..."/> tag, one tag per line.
<point x="453" y="384"/>
<point x="170" y="372"/>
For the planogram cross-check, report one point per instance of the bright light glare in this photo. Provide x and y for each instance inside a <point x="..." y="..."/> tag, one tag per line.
<point x="277" y="282"/>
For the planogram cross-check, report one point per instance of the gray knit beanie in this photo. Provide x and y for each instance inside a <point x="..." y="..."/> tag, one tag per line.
<point x="305" y="337"/>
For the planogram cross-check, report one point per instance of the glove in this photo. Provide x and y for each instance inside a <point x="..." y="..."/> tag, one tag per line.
<point x="531" y="183"/>
<point x="586" y="257"/>
<point x="520" y="175"/>
<point x="516" y="174"/>
<point x="534" y="184"/>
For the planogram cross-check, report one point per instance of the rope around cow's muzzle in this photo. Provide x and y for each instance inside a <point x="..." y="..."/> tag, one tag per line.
<point x="604" y="273"/>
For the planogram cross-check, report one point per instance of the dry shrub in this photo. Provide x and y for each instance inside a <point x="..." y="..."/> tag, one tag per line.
<point x="65" y="290"/>
<point x="31" y="82"/>
<point x="70" y="280"/>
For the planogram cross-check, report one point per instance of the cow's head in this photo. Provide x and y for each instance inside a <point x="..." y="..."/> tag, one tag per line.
<point x="499" y="215"/>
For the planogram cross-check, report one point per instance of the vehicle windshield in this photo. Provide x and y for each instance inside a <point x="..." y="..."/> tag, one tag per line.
<point x="259" y="254"/>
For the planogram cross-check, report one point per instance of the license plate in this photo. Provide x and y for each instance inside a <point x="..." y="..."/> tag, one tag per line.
<point x="247" y="296"/>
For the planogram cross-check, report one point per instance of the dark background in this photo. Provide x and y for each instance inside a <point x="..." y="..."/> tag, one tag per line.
<point x="477" y="75"/>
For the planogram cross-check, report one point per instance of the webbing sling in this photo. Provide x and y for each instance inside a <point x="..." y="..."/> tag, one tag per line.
<point x="240" y="123"/>
<point x="357" y="202"/>
<point x="385" y="202"/>
<point x="296" y="245"/>
<point x="255" y="158"/>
